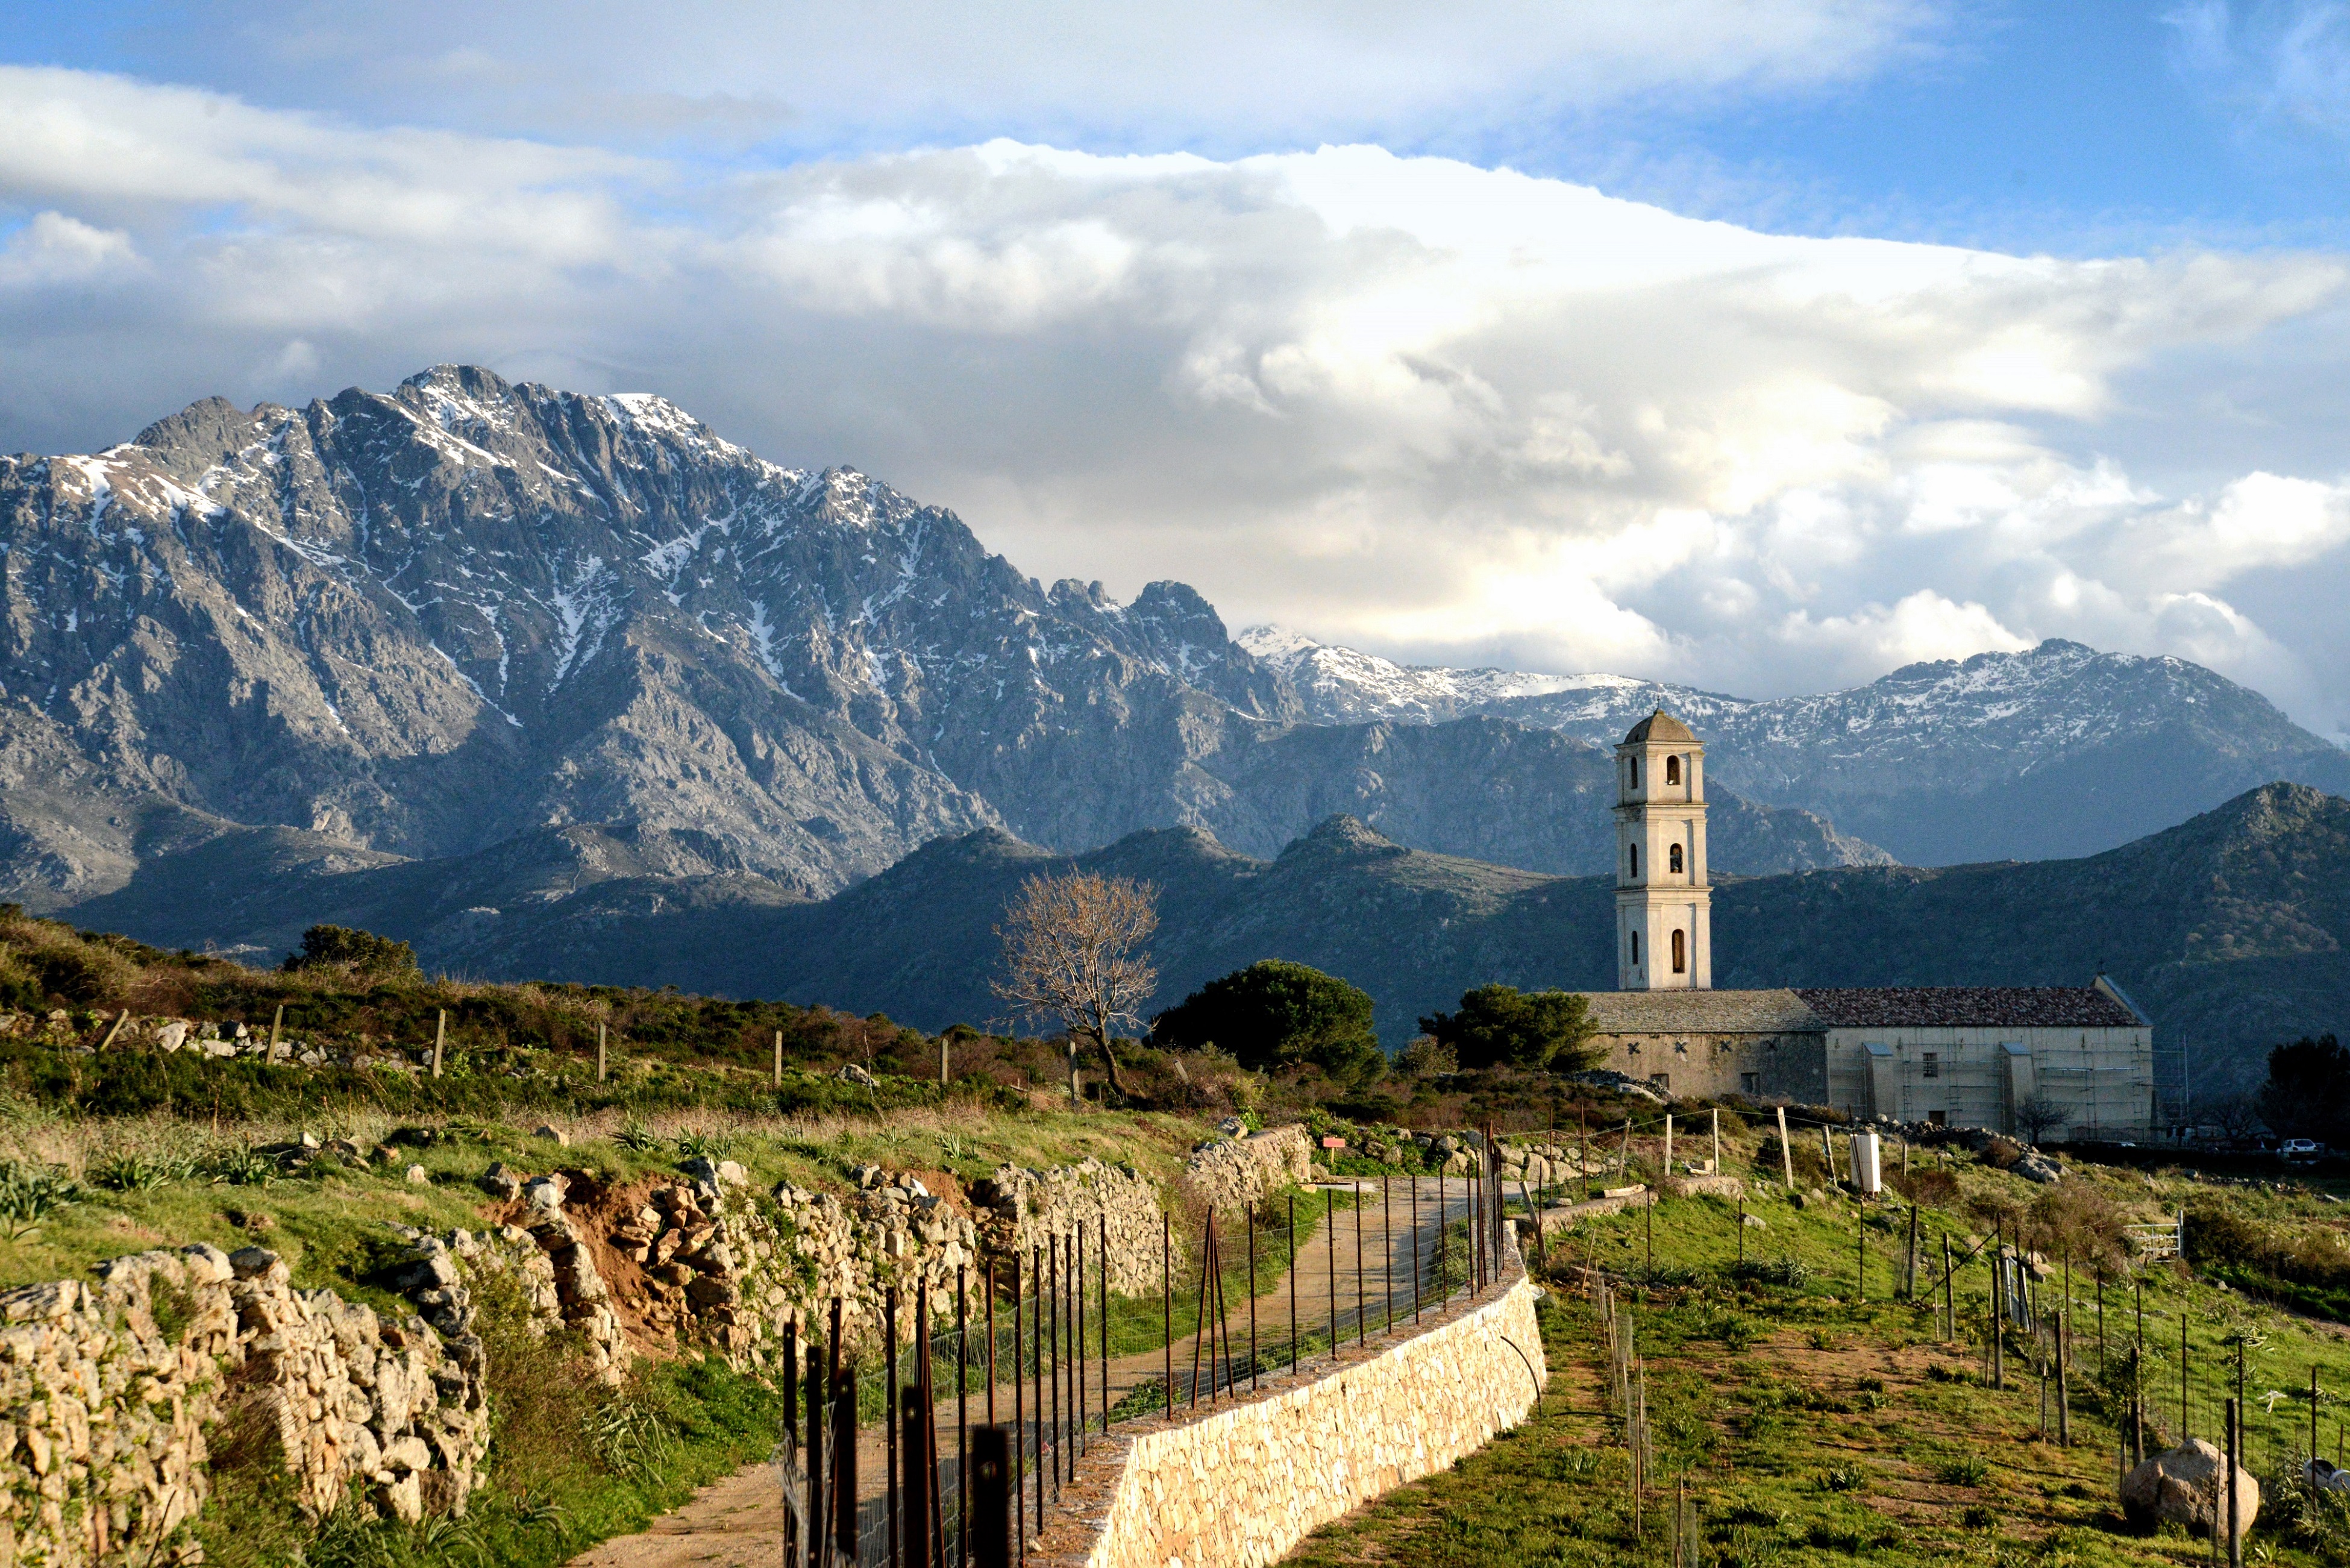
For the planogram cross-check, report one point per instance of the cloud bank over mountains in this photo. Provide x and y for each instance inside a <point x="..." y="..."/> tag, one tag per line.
<point x="1448" y="413"/>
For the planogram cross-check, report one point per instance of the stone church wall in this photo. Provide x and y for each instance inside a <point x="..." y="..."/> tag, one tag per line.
<point x="1791" y="1066"/>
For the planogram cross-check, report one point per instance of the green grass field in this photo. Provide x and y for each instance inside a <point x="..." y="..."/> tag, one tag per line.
<point x="1812" y="1426"/>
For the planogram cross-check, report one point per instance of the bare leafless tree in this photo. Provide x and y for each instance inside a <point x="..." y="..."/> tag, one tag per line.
<point x="1075" y="955"/>
<point x="2237" y="1115"/>
<point x="2037" y="1114"/>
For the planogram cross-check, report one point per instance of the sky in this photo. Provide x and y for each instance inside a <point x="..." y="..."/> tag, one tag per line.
<point x="1766" y="347"/>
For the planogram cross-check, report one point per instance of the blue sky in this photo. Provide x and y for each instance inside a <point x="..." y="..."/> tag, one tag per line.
<point x="2068" y="128"/>
<point x="1766" y="347"/>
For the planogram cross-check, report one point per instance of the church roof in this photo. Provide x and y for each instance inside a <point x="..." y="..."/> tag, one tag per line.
<point x="1968" y="1007"/>
<point x="1813" y="1010"/>
<point x="1658" y="726"/>
<point x="1701" y="1013"/>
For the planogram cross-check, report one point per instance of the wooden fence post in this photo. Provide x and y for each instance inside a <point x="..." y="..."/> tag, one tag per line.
<point x="440" y="1039"/>
<point x="276" y="1026"/>
<point x="602" y="1029"/>
<point x="1786" y="1155"/>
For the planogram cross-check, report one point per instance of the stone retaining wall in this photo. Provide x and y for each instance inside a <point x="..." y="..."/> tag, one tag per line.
<point x="1234" y="1172"/>
<point x="1240" y="1486"/>
<point x="1024" y="1208"/>
<point x="111" y="1390"/>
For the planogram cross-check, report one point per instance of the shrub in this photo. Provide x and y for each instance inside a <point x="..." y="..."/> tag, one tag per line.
<point x="1425" y="1056"/>
<point x="1500" y="1025"/>
<point x="343" y="949"/>
<point x="1793" y="1273"/>
<point x="31" y="1193"/>
<point x="1927" y="1189"/>
<point x="1275" y="1013"/>
<point x="1966" y="1471"/>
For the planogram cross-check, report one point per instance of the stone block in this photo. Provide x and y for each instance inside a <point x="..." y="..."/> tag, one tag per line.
<point x="2183" y="1486"/>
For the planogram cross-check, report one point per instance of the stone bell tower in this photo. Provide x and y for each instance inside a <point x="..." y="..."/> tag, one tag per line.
<point x="1664" y="907"/>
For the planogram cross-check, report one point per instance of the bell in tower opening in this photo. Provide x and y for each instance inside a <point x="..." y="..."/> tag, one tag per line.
<point x="1664" y="907"/>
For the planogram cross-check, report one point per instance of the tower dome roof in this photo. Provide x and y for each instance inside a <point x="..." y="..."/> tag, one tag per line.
<point x="1658" y="726"/>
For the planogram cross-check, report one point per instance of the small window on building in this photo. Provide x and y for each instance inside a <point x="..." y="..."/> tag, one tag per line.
<point x="1633" y="864"/>
<point x="1632" y="767"/>
<point x="1937" y="1119"/>
<point x="1933" y="1060"/>
<point x="1636" y="950"/>
<point x="1673" y="859"/>
<point x="1750" y="1082"/>
<point x="1680" y="952"/>
<point x="1672" y="770"/>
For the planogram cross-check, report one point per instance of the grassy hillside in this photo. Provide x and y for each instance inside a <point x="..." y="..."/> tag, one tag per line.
<point x="2233" y="930"/>
<point x="1812" y="1426"/>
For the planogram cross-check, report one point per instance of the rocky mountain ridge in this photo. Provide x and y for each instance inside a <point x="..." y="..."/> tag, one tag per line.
<point x="465" y="613"/>
<point x="2056" y="750"/>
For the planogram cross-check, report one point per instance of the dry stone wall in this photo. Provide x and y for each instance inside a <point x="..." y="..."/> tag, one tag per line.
<point x="1240" y="1486"/>
<point x="109" y="1392"/>
<point x="1237" y="1172"/>
<point x="1027" y="1207"/>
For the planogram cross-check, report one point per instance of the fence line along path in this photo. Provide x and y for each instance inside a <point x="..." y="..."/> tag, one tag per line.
<point x="739" y="1520"/>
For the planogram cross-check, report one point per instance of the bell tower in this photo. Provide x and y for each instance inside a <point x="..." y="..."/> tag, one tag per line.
<point x="1664" y="907"/>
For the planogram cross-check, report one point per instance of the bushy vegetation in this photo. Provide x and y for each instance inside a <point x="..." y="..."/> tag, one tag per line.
<point x="1275" y="1014"/>
<point x="1500" y="1025"/>
<point x="352" y="952"/>
<point x="2307" y="1094"/>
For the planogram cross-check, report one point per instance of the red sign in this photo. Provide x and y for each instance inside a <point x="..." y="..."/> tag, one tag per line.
<point x="1333" y="1143"/>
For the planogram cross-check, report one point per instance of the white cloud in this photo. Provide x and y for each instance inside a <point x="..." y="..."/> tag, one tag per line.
<point x="1445" y="411"/>
<point x="2279" y="65"/>
<point x="54" y="248"/>
<point x="1220" y="75"/>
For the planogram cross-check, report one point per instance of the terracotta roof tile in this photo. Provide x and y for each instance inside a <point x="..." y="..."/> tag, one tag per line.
<point x="1968" y="1007"/>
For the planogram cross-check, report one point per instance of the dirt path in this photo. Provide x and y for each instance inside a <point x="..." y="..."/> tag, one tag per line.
<point x="737" y="1521"/>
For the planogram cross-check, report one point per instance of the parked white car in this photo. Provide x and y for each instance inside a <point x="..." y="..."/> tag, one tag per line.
<point x="2298" y="1148"/>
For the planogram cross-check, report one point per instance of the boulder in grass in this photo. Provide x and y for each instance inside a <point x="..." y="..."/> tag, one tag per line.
<point x="2181" y="1485"/>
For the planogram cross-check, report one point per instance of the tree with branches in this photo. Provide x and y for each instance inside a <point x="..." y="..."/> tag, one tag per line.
<point x="1075" y="956"/>
<point x="2038" y="1114"/>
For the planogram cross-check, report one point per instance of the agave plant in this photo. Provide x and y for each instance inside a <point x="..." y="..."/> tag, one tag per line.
<point x="135" y="1172"/>
<point x="240" y="1165"/>
<point x="30" y="1194"/>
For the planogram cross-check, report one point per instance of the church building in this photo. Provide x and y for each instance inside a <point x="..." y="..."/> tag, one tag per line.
<point x="1959" y="1056"/>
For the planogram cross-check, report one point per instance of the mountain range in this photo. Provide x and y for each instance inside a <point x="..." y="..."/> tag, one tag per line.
<point x="429" y="622"/>
<point x="2231" y="930"/>
<point x="540" y="678"/>
<point x="2056" y="750"/>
